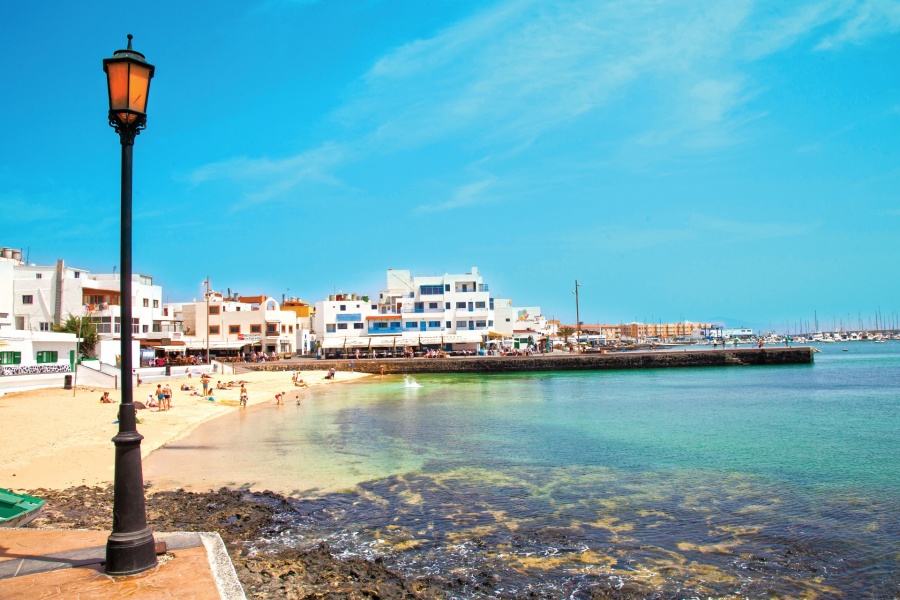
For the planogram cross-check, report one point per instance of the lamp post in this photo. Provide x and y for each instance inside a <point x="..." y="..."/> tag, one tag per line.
<point x="130" y="548"/>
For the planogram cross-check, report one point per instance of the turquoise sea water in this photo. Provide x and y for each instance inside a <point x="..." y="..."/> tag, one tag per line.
<point x="716" y="482"/>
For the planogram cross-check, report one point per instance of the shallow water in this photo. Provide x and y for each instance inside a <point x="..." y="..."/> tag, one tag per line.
<point x="676" y="483"/>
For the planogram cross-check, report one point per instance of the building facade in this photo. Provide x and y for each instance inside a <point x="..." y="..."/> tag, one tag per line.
<point x="44" y="296"/>
<point x="237" y="325"/>
<point x="452" y="312"/>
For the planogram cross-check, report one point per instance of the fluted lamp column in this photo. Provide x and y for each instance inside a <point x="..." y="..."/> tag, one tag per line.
<point x="130" y="548"/>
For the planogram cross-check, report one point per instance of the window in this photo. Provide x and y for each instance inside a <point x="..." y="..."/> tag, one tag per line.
<point x="146" y="302"/>
<point x="29" y="299"/>
<point x="342" y="307"/>
<point x="431" y="290"/>
<point x="145" y="328"/>
<point x="479" y="305"/>
<point x="77" y="275"/>
<point x="412" y="325"/>
<point x="156" y="304"/>
<point x="45" y="326"/>
<point x="449" y="324"/>
<point x="434" y="324"/>
<point x="460" y="305"/>
<point x="157" y="328"/>
<point x="10" y="358"/>
<point x="419" y="306"/>
<point x="480" y="324"/>
<point x="374" y="307"/>
<point x="447" y="305"/>
<point x="103" y="324"/>
<point x="507" y="319"/>
<point x="256" y="329"/>
<point x="38" y="275"/>
<point x="234" y="329"/>
<point x="329" y="328"/>
<point x="271" y="328"/>
<point x="290" y="329"/>
<point x="358" y="325"/>
<point x="213" y="310"/>
<point x="283" y="328"/>
<point x="46" y="356"/>
<point x="461" y="323"/>
<point x="432" y="305"/>
<point x="490" y="323"/>
<point x="213" y="330"/>
<point x="342" y="326"/>
<point x="447" y="288"/>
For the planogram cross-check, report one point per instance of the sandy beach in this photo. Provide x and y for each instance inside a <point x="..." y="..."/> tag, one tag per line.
<point x="52" y="439"/>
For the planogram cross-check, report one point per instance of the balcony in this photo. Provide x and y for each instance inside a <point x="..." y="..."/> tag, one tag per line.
<point x="395" y="329"/>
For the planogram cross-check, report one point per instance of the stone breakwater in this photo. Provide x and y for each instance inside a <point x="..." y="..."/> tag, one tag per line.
<point x="738" y="357"/>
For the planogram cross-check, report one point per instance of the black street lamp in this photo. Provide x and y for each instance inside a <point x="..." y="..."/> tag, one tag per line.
<point x="130" y="548"/>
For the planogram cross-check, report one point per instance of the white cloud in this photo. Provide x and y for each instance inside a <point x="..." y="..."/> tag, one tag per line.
<point x="509" y="76"/>
<point x="866" y="19"/>
<point x="466" y="195"/>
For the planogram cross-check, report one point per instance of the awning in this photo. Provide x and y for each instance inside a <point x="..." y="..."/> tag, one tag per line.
<point x="380" y="317"/>
<point x="215" y="345"/>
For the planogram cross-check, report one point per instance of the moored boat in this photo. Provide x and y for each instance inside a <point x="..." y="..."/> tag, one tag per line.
<point x="18" y="509"/>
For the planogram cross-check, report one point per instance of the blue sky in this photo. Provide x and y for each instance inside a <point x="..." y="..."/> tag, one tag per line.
<point x="693" y="160"/>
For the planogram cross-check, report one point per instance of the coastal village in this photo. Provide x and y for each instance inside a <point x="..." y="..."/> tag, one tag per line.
<point x="412" y="316"/>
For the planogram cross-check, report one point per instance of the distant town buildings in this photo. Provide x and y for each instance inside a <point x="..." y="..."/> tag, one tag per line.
<point x="231" y="326"/>
<point x="450" y="312"/>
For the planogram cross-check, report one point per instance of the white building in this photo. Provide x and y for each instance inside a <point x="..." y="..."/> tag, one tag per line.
<point x="450" y="312"/>
<point x="235" y="325"/>
<point x="44" y="296"/>
<point x="35" y="359"/>
<point x="524" y="325"/>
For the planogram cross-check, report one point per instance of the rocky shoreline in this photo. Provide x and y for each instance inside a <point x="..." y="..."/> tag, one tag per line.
<point x="240" y="517"/>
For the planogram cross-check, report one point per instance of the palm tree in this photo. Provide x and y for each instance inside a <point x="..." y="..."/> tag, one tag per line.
<point x="565" y="331"/>
<point x="83" y="328"/>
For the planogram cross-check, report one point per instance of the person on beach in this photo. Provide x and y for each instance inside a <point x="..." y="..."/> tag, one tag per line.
<point x="205" y="381"/>
<point x="330" y="374"/>
<point x="300" y="383"/>
<point x="279" y="398"/>
<point x="105" y="399"/>
<point x="167" y="393"/>
<point x="160" y="397"/>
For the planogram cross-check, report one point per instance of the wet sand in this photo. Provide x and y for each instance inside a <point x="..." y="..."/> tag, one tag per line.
<point x="52" y="439"/>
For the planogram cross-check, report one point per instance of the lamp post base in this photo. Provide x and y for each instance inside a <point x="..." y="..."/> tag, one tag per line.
<point x="130" y="553"/>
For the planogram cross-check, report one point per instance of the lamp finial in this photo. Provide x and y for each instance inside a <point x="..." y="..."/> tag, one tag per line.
<point x="129" y="41"/>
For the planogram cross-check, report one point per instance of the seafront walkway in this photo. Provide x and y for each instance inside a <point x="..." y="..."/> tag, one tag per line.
<point x="557" y="361"/>
<point x="53" y="563"/>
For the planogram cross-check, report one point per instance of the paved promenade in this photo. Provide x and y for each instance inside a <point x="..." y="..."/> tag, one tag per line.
<point x="44" y="563"/>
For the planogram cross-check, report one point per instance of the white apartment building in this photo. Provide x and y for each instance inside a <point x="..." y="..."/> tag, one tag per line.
<point x="451" y="312"/>
<point x="32" y="354"/>
<point x="44" y="296"/>
<point x="236" y="325"/>
<point x="525" y="325"/>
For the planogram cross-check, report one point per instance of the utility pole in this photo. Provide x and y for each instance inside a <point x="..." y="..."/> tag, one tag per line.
<point x="206" y="283"/>
<point x="577" y="318"/>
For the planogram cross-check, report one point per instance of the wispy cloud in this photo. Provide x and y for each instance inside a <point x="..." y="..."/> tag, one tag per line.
<point x="864" y="20"/>
<point x="466" y="195"/>
<point x="520" y="71"/>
